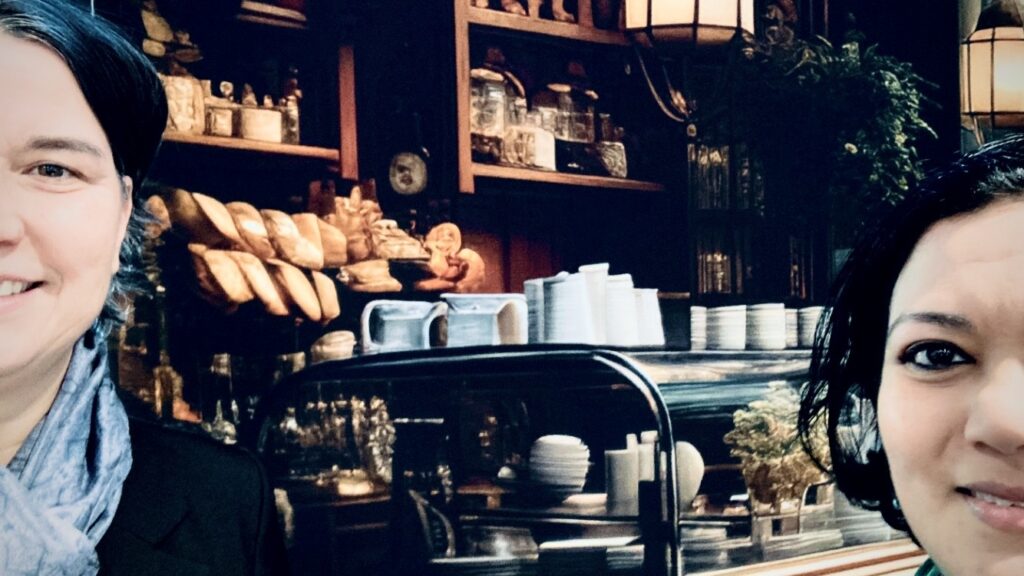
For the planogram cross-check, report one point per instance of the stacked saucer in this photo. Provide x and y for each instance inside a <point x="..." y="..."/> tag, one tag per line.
<point x="807" y="323"/>
<point x="727" y="328"/>
<point x="558" y="466"/>
<point x="698" y="328"/>
<point x="766" y="327"/>
<point x="792" y="334"/>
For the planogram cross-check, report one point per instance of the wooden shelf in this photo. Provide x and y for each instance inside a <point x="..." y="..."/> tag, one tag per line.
<point x="269" y="15"/>
<point x="294" y="150"/>
<point x="505" y="20"/>
<point x="509" y="173"/>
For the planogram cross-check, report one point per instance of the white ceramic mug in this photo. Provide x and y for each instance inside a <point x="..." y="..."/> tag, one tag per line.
<point x="486" y="319"/>
<point x="393" y="325"/>
<point x="622" y="480"/>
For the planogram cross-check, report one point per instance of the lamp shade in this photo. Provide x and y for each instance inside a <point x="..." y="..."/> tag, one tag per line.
<point x="701" y="22"/>
<point x="992" y="69"/>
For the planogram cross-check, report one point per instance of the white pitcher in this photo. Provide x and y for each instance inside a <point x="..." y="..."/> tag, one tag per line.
<point x="393" y="325"/>
<point x="486" y="319"/>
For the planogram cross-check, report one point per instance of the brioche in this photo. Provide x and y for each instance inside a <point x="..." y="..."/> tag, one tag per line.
<point x="251" y="229"/>
<point x="297" y="288"/>
<point x="261" y="283"/>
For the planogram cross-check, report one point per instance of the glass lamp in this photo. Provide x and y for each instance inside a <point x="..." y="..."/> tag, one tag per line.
<point x="992" y="71"/>
<point x="707" y="22"/>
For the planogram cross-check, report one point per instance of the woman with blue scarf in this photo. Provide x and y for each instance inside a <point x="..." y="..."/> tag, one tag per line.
<point x="918" y="370"/>
<point x="84" y="489"/>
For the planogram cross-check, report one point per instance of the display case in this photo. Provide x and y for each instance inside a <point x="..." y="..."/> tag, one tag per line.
<point x="429" y="462"/>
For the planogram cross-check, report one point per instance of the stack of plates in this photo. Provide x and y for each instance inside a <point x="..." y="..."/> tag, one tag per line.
<point x="807" y="323"/>
<point x="559" y="465"/>
<point x="698" y="328"/>
<point x="727" y="328"/>
<point x="792" y="335"/>
<point x="766" y="326"/>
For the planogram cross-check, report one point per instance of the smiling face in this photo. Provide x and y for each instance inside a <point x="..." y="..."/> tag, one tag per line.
<point x="63" y="212"/>
<point x="951" y="401"/>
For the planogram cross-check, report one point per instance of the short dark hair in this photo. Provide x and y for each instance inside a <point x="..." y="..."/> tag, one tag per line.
<point x="124" y="92"/>
<point x="846" y="363"/>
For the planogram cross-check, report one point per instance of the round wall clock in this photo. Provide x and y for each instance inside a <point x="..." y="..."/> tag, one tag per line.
<point x="408" y="173"/>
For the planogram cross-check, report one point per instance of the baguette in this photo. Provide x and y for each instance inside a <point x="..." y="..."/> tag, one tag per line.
<point x="253" y="232"/>
<point x="309" y="231"/>
<point x="186" y="215"/>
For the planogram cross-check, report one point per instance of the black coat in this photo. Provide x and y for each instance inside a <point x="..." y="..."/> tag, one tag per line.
<point x="194" y="507"/>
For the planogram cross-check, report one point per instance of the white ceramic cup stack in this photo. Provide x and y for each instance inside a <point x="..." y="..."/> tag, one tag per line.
<point x="534" y="290"/>
<point x="621" y="473"/>
<point x="567" y="317"/>
<point x="596" y="278"/>
<point x="792" y="334"/>
<point x="698" y="328"/>
<point x="621" y="311"/>
<point x="807" y="323"/>
<point x="727" y="328"/>
<point x="766" y="326"/>
<point x="559" y="465"/>
<point x="650" y="331"/>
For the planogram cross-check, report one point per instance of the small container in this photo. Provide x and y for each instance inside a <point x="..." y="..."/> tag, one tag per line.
<point x="263" y="124"/>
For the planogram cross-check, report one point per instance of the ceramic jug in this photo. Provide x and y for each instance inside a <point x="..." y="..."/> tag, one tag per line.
<point x="393" y="325"/>
<point x="486" y="319"/>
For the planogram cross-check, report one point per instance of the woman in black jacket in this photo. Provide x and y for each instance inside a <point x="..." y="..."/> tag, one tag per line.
<point x="83" y="488"/>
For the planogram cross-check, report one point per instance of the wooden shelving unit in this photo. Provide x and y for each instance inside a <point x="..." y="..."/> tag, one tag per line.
<point x="298" y="151"/>
<point x="468" y="18"/>
<point x="510" y="173"/>
<point x="507" y="21"/>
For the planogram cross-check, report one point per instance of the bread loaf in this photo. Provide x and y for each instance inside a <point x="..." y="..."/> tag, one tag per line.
<point x="187" y="216"/>
<point x="251" y="229"/>
<point x="309" y="231"/>
<point x="219" y="217"/>
<point x="262" y="285"/>
<point x="289" y="244"/>
<point x="335" y="245"/>
<point x="327" y="294"/>
<point x="371" y="276"/>
<point x="228" y="276"/>
<point x="297" y="288"/>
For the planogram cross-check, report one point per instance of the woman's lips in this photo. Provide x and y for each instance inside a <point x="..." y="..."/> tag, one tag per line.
<point x="997" y="505"/>
<point x="14" y="293"/>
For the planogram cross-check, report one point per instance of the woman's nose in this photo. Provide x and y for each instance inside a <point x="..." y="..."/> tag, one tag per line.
<point x="996" y="420"/>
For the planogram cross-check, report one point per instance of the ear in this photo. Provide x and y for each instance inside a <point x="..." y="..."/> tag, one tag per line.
<point x="127" y="186"/>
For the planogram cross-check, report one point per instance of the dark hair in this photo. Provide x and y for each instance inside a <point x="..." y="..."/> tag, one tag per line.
<point x="846" y="362"/>
<point x="124" y="92"/>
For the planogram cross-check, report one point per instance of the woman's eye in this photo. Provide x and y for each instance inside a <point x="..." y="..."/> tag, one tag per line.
<point x="52" y="171"/>
<point x="935" y="356"/>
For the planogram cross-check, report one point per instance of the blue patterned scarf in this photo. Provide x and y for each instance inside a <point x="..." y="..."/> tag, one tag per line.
<point x="59" y="493"/>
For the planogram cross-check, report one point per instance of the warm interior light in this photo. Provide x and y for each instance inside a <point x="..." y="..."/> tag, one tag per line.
<point x="992" y="75"/>
<point x="701" y="22"/>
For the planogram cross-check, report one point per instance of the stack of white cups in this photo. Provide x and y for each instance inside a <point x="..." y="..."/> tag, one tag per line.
<point x="620" y="311"/>
<point x="596" y="277"/>
<point x="567" y="312"/>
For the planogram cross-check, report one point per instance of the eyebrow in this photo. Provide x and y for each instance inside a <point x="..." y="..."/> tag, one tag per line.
<point x="65" y="144"/>
<point x="954" y="321"/>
